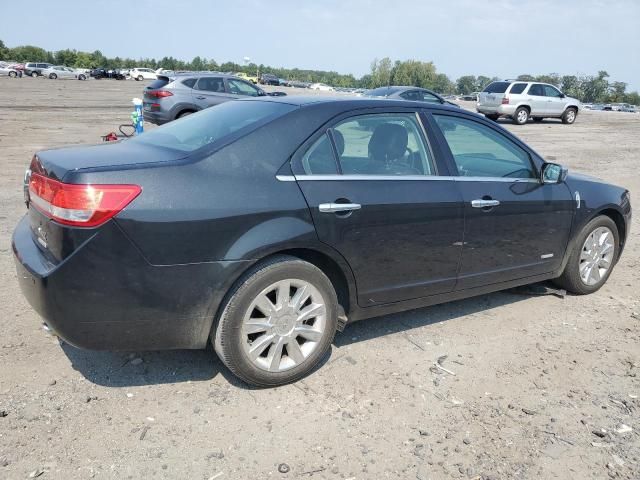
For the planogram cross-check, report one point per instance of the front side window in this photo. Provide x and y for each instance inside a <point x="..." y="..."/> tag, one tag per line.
<point x="380" y="144"/>
<point x="480" y="151"/>
<point x="550" y="91"/>
<point x="211" y="84"/>
<point x="239" y="87"/>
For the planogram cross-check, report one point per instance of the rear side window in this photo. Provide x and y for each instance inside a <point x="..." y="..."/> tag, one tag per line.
<point x="536" y="89"/>
<point x="189" y="82"/>
<point x="214" y="124"/>
<point x="480" y="151"/>
<point x="497" y="87"/>
<point x="518" y="88"/>
<point x="319" y="159"/>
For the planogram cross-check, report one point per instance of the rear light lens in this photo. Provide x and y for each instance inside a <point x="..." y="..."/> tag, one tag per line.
<point x="505" y="100"/>
<point x="79" y="205"/>
<point x="159" y="93"/>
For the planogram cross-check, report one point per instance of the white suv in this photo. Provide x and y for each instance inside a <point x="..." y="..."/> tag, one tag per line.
<point x="143" y="74"/>
<point x="524" y="100"/>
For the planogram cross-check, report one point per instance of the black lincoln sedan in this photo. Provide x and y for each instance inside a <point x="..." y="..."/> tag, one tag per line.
<point x="265" y="225"/>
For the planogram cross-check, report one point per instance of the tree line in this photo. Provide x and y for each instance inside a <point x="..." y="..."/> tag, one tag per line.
<point x="587" y="88"/>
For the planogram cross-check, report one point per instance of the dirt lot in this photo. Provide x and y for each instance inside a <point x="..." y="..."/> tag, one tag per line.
<point x="535" y="377"/>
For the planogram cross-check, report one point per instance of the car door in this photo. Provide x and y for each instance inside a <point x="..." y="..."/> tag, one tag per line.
<point x="537" y="100"/>
<point x="371" y="182"/>
<point x="555" y="100"/>
<point x="209" y="91"/>
<point x="515" y="225"/>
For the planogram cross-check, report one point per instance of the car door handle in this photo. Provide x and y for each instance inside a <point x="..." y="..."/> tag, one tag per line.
<point x="480" y="203"/>
<point x="200" y="97"/>
<point x="338" y="207"/>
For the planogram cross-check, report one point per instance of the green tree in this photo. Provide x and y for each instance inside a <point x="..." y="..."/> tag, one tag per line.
<point x="617" y="92"/>
<point x="595" y="87"/>
<point x="571" y="86"/>
<point x="466" y="84"/>
<point x="4" y="51"/>
<point x="28" y="53"/>
<point x="526" y="78"/>
<point x="381" y="72"/>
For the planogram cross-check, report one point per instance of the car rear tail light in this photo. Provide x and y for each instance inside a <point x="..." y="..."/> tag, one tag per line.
<point x="505" y="100"/>
<point x="79" y="205"/>
<point x="159" y="93"/>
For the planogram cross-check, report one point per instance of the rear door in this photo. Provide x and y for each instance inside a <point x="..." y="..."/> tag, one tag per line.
<point x="515" y="225"/>
<point x="371" y="182"/>
<point x="209" y="91"/>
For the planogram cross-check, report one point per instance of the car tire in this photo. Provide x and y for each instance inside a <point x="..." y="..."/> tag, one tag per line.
<point x="139" y="78"/>
<point x="569" y="116"/>
<point x="538" y="119"/>
<point x="13" y="74"/>
<point x="186" y="113"/>
<point x="34" y="74"/>
<point x="242" y="323"/>
<point x="53" y="76"/>
<point x="521" y="116"/>
<point x="82" y="77"/>
<point x="604" y="232"/>
<point x="492" y="117"/>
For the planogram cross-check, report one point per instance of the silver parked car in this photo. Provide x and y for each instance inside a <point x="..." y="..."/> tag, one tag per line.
<point x="524" y="100"/>
<point x="59" y="71"/>
<point x="180" y="94"/>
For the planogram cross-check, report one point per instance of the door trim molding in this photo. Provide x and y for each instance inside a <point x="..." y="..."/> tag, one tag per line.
<point x="423" y="178"/>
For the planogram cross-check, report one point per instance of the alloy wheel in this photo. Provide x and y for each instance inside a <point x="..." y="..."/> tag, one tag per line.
<point x="523" y="116"/>
<point x="596" y="256"/>
<point x="284" y="325"/>
<point x="571" y="116"/>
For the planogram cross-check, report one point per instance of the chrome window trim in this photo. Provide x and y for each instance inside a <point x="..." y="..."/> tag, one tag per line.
<point x="338" y="177"/>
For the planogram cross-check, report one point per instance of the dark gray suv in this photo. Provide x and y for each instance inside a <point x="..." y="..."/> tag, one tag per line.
<point x="177" y="95"/>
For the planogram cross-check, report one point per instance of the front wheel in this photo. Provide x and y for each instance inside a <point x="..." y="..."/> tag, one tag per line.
<point x="139" y="78"/>
<point x="53" y="76"/>
<point x="521" y="116"/>
<point x="278" y="322"/>
<point x="82" y="77"/>
<point x="34" y="74"/>
<point x="13" y="74"/>
<point x="593" y="257"/>
<point x="569" y="116"/>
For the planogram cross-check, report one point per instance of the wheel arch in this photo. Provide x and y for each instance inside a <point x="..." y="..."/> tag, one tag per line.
<point x="618" y="219"/>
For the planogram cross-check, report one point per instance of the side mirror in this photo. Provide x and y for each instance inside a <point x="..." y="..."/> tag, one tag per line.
<point x="262" y="93"/>
<point x="277" y="94"/>
<point x="553" y="173"/>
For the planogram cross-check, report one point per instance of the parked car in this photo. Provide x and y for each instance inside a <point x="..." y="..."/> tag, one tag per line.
<point x="176" y="96"/>
<point x="269" y="79"/>
<point x="99" y="73"/>
<point x="523" y="100"/>
<point x="264" y="225"/>
<point x="470" y="97"/>
<point x="249" y="78"/>
<point x="59" y="71"/>
<point x="299" y="84"/>
<point x="322" y="87"/>
<point x="628" y="108"/>
<point x="415" y="94"/>
<point x="140" y="74"/>
<point x="35" y="69"/>
<point x="9" y="70"/>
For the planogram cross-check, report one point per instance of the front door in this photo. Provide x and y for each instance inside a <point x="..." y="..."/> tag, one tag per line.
<point x="538" y="100"/>
<point x="555" y="102"/>
<point x="372" y="186"/>
<point x="515" y="225"/>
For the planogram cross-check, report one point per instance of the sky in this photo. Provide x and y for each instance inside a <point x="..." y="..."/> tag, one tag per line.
<point x="501" y="38"/>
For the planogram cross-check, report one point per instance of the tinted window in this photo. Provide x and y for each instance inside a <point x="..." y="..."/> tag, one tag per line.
<point x="238" y="87"/>
<point x="213" y="124"/>
<point x="211" y="84"/>
<point x="412" y="95"/>
<point x="497" y="87"/>
<point x="480" y="151"/>
<point x="536" y="89"/>
<point x="319" y="159"/>
<point x="550" y="91"/>
<point x="518" y="88"/>
<point x="189" y="82"/>
<point x="382" y="144"/>
<point x="158" y="83"/>
<point x="381" y="92"/>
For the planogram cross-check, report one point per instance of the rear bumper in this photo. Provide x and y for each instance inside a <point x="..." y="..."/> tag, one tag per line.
<point x="106" y="296"/>
<point x="157" y="117"/>
<point x="497" y="109"/>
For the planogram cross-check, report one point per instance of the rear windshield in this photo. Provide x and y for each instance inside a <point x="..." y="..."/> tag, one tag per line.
<point x="213" y="124"/>
<point x="497" y="87"/>
<point x="158" y="83"/>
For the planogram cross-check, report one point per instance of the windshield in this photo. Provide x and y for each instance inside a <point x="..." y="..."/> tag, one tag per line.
<point x="208" y="126"/>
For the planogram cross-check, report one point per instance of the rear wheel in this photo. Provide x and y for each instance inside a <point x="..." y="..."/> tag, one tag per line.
<point x="53" y="76"/>
<point x="521" y="116"/>
<point x="13" y="74"/>
<point x="592" y="260"/>
<point x="277" y="323"/>
<point x="34" y="74"/>
<point x="139" y="78"/>
<point x="569" y="116"/>
<point x="82" y="77"/>
<point x="185" y="113"/>
<point x="492" y="117"/>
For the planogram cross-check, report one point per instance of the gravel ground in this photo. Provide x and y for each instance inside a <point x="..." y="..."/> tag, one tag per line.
<point x="532" y="387"/>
